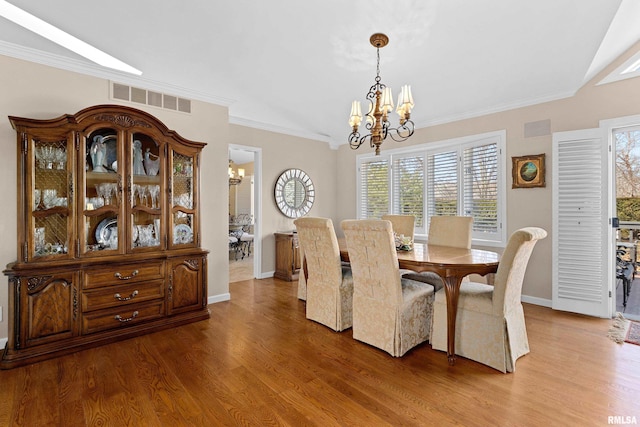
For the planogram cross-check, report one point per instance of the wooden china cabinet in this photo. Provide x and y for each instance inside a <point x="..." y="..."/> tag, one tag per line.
<point x="108" y="232"/>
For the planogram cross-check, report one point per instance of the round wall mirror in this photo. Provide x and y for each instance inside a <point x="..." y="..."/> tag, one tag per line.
<point x="294" y="193"/>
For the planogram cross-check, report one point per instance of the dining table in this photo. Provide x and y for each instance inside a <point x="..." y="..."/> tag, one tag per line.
<point x="452" y="265"/>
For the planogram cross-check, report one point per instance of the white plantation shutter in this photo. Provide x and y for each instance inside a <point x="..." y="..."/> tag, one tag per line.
<point x="408" y="187"/>
<point x="374" y="187"/>
<point x="480" y="195"/>
<point x="581" y="238"/>
<point x="464" y="176"/>
<point x="442" y="188"/>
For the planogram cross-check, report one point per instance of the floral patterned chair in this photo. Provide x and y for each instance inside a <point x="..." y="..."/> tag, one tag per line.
<point x="402" y="224"/>
<point x="389" y="312"/>
<point x="490" y="324"/>
<point x="329" y="285"/>
<point x="454" y="231"/>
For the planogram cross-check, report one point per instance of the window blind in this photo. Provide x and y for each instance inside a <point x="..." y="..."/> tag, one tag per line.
<point x="408" y="187"/>
<point x="480" y="195"/>
<point x="374" y="188"/>
<point x="443" y="178"/>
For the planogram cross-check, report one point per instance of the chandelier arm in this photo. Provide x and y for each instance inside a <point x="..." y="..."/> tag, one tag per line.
<point x="401" y="133"/>
<point x="355" y="141"/>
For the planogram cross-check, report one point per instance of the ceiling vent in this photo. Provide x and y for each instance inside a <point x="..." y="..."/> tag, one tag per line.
<point x="147" y="97"/>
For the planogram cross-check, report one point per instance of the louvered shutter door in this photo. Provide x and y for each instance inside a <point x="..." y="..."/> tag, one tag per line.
<point x="582" y="247"/>
<point x="374" y="188"/>
<point x="408" y="188"/>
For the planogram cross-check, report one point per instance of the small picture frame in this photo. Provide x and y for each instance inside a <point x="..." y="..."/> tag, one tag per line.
<point x="528" y="171"/>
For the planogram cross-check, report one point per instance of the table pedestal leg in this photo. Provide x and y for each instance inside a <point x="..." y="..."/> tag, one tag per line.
<point x="452" y="292"/>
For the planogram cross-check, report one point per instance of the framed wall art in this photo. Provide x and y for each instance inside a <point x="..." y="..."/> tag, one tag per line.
<point x="528" y="171"/>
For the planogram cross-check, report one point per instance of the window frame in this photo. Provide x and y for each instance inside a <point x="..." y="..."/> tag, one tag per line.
<point x="428" y="149"/>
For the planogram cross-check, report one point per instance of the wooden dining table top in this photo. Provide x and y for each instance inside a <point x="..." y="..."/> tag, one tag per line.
<point x="426" y="257"/>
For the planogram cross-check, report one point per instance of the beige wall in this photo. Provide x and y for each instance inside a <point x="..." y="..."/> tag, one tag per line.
<point x="525" y="207"/>
<point x="38" y="91"/>
<point x="280" y="152"/>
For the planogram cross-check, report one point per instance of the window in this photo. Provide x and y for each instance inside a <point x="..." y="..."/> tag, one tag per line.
<point x="464" y="176"/>
<point x="408" y="187"/>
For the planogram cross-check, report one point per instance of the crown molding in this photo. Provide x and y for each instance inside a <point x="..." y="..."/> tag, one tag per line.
<point x="240" y="121"/>
<point x="494" y="109"/>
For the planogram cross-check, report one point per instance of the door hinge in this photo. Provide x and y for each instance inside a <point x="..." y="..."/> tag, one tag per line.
<point x="609" y="294"/>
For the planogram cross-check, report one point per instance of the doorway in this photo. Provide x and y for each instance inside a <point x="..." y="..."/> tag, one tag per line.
<point x="245" y="212"/>
<point x="627" y="210"/>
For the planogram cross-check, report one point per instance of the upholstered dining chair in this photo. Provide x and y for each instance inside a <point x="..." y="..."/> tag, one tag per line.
<point x="402" y="224"/>
<point x="454" y="231"/>
<point x="329" y="285"/>
<point x="389" y="312"/>
<point x="490" y="324"/>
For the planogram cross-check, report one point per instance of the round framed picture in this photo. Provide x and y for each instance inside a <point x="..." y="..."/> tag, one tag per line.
<point x="528" y="171"/>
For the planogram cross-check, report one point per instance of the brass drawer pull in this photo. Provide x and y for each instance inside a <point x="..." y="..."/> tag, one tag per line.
<point x="121" y="298"/>
<point x="128" y="319"/>
<point x="134" y="273"/>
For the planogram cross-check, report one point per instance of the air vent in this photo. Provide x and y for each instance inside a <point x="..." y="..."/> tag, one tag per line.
<point x="148" y="97"/>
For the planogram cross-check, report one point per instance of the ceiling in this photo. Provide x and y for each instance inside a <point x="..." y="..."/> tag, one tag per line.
<point x="294" y="67"/>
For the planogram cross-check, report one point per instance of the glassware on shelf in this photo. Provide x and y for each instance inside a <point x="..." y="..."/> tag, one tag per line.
<point x="154" y="192"/>
<point x="60" y="158"/>
<point x="38" y="239"/>
<point x="49" y="197"/>
<point x="36" y="199"/>
<point x="142" y="194"/>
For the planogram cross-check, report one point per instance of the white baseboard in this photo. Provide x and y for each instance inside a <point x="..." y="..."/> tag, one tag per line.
<point x="218" y="298"/>
<point x="3" y="342"/>
<point x="536" y="301"/>
<point x="267" y="275"/>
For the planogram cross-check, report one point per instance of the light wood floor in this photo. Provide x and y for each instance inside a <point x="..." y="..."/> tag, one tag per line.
<point x="240" y="269"/>
<point x="259" y="362"/>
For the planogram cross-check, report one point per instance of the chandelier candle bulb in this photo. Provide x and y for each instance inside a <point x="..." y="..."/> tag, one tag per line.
<point x="387" y="101"/>
<point x="380" y="100"/>
<point x="356" y="115"/>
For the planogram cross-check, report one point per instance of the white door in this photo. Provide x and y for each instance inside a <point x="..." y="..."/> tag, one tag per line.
<point x="582" y="232"/>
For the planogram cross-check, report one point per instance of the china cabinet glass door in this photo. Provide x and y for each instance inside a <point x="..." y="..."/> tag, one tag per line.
<point x="183" y="220"/>
<point x="102" y="191"/>
<point x="146" y="192"/>
<point x="49" y="208"/>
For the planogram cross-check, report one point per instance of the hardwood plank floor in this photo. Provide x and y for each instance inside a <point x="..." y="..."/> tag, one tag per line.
<point x="258" y="361"/>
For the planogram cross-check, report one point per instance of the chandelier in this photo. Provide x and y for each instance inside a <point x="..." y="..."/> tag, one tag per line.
<point x="380" y="104"/>
<point x="233" y="180"/>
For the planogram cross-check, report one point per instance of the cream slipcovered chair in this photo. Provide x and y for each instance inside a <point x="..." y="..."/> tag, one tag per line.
<point x="329" y="285"/>
<point x="402" y="224"/>
<point x="454" y="231"/>
<point x="389" y="312"/>
<point x="490" y="324"/>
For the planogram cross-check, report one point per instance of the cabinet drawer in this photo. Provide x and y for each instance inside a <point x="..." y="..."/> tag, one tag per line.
<point x="121" y="317"/>
<point x="122" y="295"/>
<point x="125" y="273"/>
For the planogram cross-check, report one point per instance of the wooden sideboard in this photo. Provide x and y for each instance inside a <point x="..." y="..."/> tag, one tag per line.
<point x="108" y="233"/>
<point x="287" y="256"/>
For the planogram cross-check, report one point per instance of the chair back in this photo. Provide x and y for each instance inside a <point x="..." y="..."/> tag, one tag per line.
<point x="513" y="264"/>
<point x="320" y="251"/>
<point x="374" y="261"/>
<point x="402" y="224"/>
<point x="454" y="231"/>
